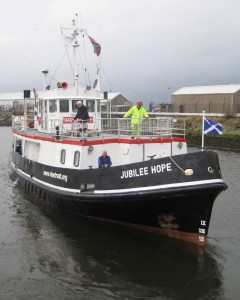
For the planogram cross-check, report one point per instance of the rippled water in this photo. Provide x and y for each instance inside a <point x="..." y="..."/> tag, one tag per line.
<point x="49" y="255"/>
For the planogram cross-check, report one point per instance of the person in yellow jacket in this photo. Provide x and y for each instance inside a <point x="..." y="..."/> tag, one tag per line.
<point x="137" y="112"/>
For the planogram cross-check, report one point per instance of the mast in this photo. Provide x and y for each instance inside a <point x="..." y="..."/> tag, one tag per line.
<point x="74" y="41"/>
<point x="75" y="45"/>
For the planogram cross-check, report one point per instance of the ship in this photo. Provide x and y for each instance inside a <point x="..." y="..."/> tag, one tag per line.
<point x="154" y="183"/>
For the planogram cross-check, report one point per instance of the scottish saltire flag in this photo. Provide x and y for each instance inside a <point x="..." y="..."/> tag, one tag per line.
<point x="96" y="46"/>
<point x="211" y="127"/>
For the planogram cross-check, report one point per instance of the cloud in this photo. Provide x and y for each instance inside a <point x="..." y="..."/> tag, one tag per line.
<point x="147" y="46"/>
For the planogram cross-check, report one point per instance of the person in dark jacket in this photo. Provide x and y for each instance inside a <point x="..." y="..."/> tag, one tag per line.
<point x="82" y="117"/>
<point x="104" y="161"/>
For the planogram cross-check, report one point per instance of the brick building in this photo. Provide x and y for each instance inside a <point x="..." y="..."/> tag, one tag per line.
<point x="114" y="102"/>
<point x="211" y="99"/>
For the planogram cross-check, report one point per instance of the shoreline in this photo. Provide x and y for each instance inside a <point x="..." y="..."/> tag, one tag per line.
<point x="214" y="144"/>
<point x="228" y="141"/>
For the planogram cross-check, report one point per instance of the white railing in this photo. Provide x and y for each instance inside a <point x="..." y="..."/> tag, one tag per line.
<point x="152" y="127"/>
<point x="157" y="127"/>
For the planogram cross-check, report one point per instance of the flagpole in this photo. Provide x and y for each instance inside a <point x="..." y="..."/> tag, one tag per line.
<point x="203" y="116"/>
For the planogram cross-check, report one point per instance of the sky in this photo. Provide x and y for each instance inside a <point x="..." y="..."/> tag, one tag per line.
<point x="149" y="48"/>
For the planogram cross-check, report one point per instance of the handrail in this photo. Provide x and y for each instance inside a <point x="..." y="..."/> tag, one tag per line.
<point x="150" y="127"/>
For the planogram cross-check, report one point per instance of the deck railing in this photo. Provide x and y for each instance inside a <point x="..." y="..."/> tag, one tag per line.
<point x="144" y="127"/>
<point x="126" y="127"/>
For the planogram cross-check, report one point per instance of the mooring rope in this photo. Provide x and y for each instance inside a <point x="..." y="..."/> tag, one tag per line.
<point x="187" y="172"/>
<point x="176" y="164"/>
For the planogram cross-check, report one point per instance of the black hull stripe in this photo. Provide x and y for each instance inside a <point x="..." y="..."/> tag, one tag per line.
<point x="127" y="191"/>
<point x="43" y="183"/>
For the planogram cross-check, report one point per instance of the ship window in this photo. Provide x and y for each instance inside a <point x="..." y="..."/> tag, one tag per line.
<point x="64" y="105"/>
<point x="63" y="156"/>
<point x="52" y="106"/>
<point x="76" y="158"/>
<point x="74" y="105"/>
<point x="90" y="105"/>
<point x="19" y="146"/>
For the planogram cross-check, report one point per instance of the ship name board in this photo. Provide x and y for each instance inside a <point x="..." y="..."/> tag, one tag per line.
<point x="70" y="120"/>
<point x="146" y="171"/>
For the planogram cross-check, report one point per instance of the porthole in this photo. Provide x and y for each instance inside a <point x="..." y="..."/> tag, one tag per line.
<point x="76" y="158"/>
<point x="63" y="156"/>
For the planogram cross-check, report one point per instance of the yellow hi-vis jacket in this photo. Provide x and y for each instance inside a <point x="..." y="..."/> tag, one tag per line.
<point x="137" y="114"/>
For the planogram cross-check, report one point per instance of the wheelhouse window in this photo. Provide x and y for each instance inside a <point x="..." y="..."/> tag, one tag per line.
<point x="63" y="156"/>
<point x="74" y="105"/>
<point x="52" y="106"/>
<point x="64" y="105"/>
<point x="90" y="105"/>
<point x="76" y="158"/>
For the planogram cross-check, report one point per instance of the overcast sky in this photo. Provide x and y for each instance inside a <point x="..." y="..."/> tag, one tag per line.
<point x="148" y="46"/>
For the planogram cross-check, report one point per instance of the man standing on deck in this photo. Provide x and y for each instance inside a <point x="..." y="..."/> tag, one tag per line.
<point x="82" y="117"/>
<point x="137" y="112"/>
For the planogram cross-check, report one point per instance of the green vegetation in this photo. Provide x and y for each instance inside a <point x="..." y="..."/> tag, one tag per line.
<point x="229" y="140"/>
<point x="5" y="119"/>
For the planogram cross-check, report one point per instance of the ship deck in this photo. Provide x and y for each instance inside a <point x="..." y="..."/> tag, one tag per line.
<point x="119" y="128"/>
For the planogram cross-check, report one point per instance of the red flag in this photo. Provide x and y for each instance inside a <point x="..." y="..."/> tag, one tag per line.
<point x="96" y="46"/>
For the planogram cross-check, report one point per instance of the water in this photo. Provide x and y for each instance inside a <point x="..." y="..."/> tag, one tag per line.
<point x="49" y="255"/>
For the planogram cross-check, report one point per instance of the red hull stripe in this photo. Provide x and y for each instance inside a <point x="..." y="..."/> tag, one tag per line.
<point x="103" y="141"/>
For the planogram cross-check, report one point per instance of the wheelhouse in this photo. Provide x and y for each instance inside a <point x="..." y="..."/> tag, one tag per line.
<point x="50" y="113"/>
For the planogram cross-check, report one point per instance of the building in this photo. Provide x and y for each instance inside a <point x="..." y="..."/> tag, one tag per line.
<point x="161" y="107"/>
<point x="10" y="101"/>
<point x="114" y="102"/>
<point x="212" y="99"/>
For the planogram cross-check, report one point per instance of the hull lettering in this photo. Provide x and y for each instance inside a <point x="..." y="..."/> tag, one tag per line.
<point x="145" y="171"/>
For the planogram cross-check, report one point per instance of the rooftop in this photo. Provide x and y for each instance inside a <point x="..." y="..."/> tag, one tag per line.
<point x="211" y="89"/>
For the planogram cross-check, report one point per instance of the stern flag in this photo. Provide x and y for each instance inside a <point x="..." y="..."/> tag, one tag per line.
<point x="211" y="127"/>
<point x="96" y="46"/>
